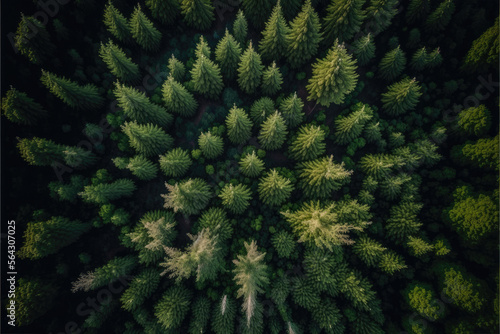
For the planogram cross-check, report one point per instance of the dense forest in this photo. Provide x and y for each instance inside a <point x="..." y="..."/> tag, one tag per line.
<point x="253" y="166"/>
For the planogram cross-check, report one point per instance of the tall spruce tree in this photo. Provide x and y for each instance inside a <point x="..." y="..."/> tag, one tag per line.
<point x="364" y="49"/>
<point x="211" y="145"/>
<point x="141" y="288"/>
<point x="176" y="68"/>
<point x="166" y="11"/>
<point x="273" y="132"/>
<point x="250" y="70"/>
<point x="175" y="163"/>
<point x="261" y="110"/>
<point x="441" y="17"/>
<point x="239" y="125"/>
<point x="392" y="64"/>
<point x="178" y="99"/>
<point x="257" y="11"/>
<point x="223" y="316"/>
<point x="309" y="143"/>
<point x="202" y="48"/>
<point x="207" y="78"/>
<point x="240" y="28"/>
<point x="251" y="165"/>
<point x="189" y="196"/>
<point x="349" y="127"/>
<point x="147" y="139"/>
<point x="401" y="97"/>
<point x="380" y="14"/>
<point x="271" y="80"/>
<point x="236" y="198"/>
<point x="32" y="40"/>
<point x="198" y="14"/>
<point x="173" y="307"/>
<point x="19" y="108"/>
<point x="142" y="168"/>
<point x="274" y="189"/>
<point x="343" y="20"/>
<point x="116" y="23"/>
<point x="227" y="54"/>
<point x="118" y="63"/>
<point x="143" y="30"/>
<point x="102" y="193"/>
<point x="291" y="109"/>
<point x="273" y="44"/>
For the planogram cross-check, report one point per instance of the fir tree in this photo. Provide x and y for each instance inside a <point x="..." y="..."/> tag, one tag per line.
<point x="309" y="143"/>
<point x="173" y="307"/>
<point x="304" y="294"/>
<point x="482" y="153"/>
<point x="484" y="50"/>
<point x="291" y="109"/>
<point x="137" y="106"/>
<point x="419" y="60"/>
<point x="418" y="246"/>
<point x="228" y="54"/>
<point x="223" y="316"/>
<point x="69" y="191"/>
<point x="177" y="99"/>
<point x="175" y="163"/>
<point x="403" y="221"/>
<point x="474" y="121"/>
<point x="140" y="289"/>
<point x="274" y="189"/>
<point x="216" y="221"/>
<point x="283" y="243"/>
<point x="333" y="77"/>
<point x="202" y="49"/>
<point x="240" y="28"/>
<point x="48" y="237"/>
<point x="318" y="178"/>
<point x="32" y="40"/>
<point x="273" y="44"/>
<point x="391" y="262"/>
<point x="401" y="97"/>
<point x="201" y="315"/>
<point x="143" y="30"/>
<point x="261" y="110"/>
<point x="78" y="157"/>
<point x="74" y="95"/>
<point x="239" y="126"/>
<point x="21" y="109"/>
<point x="368" y="250"/>
<point x="198" y="14"/>
<point x="147" y="139"/>
<point x="250" y="70"/>
<point x="421" y="299"/>
<point x="425" y="151"/>
<point x="166" y="11"/>
<point x="391" y="187"/>
<point x="364" y="49"/>
<point x="273" y="132"/>
<point x="271" y="80"/>
<point x="439" y="18"/>
<point x="304" y="36"/>
<point x="258" y="11"/>
<point x="102" y="193"/>
<point x="176" y="69"/>
<point x="350" y="127"/>
<point x="116" y="23"/>
<point x="235" y="198"/>
<point x="376" y="165"/>
<point x="207" y="78"/>
<point x="380" y="14"/>
<point x="118" y="63"/>
<point x="142" y="168"/>
<point x="211" y="145"/>
<point x="251" y="165"/>
<point x="434" y="58"/>
<point x="189" y="196"/>
<point x="40" y="151"/>
<point x="417" y="9"/>
<point x="33" y="298"/>
<point x="343" y="20"/>
<point x="392" y="64"/>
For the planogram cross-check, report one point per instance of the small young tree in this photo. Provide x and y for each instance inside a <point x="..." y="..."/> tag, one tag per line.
<point x="274" y="189"/>
<point x="309" y="143"/>
<point x="273" y="132"/>
<point x="143" y="30"/>
<point x="118" y="63"/>
<point x="202" y="49"/>
<point x="364" y="49"/>
<point x="32" y="40"/>
<point x="116" y="23"/>
<point x="228" y="54"/>
<point x="103" y="193"/>
<point x="211" y="145"/>
<point x="376" y="165"/>
<point x="392" y="64"/>
<point x="391" y="262"/>
<point x="166" y="11"/>
<point x="147" y="139"/>
<point x="251" y="165"/>
<point x="207" y="78"/>
<point x="198" y="14"/>
<point x="273" y="44"/>
<point x="271" y="80"/>
<point x="240" y="28"/>
<point x="239" y="125"/>
<point x="250" y="70"/>
<point x="215" y="219"/>
<point x="176" y="68"/>
<point x="189" y="196"/>
<point x="177" y="98"/>
<point x="20" y="108"/>
<point x="419" y="60"/>
<point x="350" y="127"/>
<point x="343" y="20"/>
<point x="175" y="163"/>
<point x="291" y="109"/>
<point x="401" y="97"/>
<point x="235" y="198"/>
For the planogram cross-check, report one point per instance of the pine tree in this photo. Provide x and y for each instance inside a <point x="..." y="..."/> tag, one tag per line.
<point x="201" y="315"/>
<point x="143" y="30"/>
<point x="32" y="40"/>
<point x="474" y="121"/>
<point x="40" y="151"/>
<point x="261" y="110"/>
<point x="250" y="70"/>
<point x="211" y="145"/>
<point x="439" y="18"/>
<point x="228" y="54"/>
<point x="326" y="314"/>
<point x="21" y="109"/>
<point x="74" y="95"/>
<point x="176" y="68"/>
<point x="273" y="132"/>
<point x="418" y="246"/>
<point x="175" y="163"/>
<point x="304" y="37"/>
<point x="358" y="290"/>
<point x="391" y="262"/>
<point x="137" y="106"/>
<point x="434" y="58"/>
<point x="401" y="97"/>
<point x="343" y="20"/>
<point x="69" y="191"/>
<point x="189" y="196"/>
<point x="33" y="298"/>
<point x="419" y="60"/>
<point x="223" y="316"/>
<point x="380" y="14"/>
<point x="332" y="77"/>
<point x="482" y="153"/>
<point x="291" y="109"/>
<point x="142" y="168"/>
<point x="304" y="294"/>
<point x="235" y="198"/>
<point x="207" y="78"/>
<point x="104" y="192"/>
<point x="273" y="44"/>
<point x="368" y="250"/>
<point x="251" y="276"/>
<point x="147" y="139"/>
<point x="274" y="189"/>
<point x="140" y="289"/>
<point x="239" y="125"/>
<point x="283" y="243"/>
<point x="198" y="14"/>
<point x="425" y="151"/>
<point x="350" y="127"/>
<point x="403" y="220"/>
<point x="376" y="165"/>
<point x="417" y="9"/>
<point x="364" y="49"/>
<point x="309" y="143"/>
<point x="421" y="298"/>
<point x="216" y="221"/>
<point x="177" y="99"/>
<point x="118" y="63"/>
<point x="173" y="307"/>
<point x="318" y="178"/>
<point x="251" y="165"/>
<point x="202" y="49"/>
<point x="271" y="80"/>
<point x="48" y="237"/>
<point x="391" y="187"/>
<point x="392" y="64"/>
<point x="484" y="50"/>
<point x="116" y="23"/>
<point x="240" y="28"/>
<point x="166" y="11"/>
<point x="258" y="11"/>
<point x="78" y="157"/>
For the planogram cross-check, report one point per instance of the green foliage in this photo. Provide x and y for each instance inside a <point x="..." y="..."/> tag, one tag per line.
<point x="368" y="250"/>
<point x="474" y="120"/>
<point x="239" y="126"/>
<point x="391" y="187"/>
<point x="118" y="63"/>
<point x="482" y="153"/>
<point x="273" y="44"/>
<point x="143" y="30"/>
<point x="401" y="97"/>
<point x="348" y="128"/>
<point x="189" y="196"/>
<point x="271" y="80"/>
<point x="273" y="132"/>
<point x="235" y="198"/>
<point x="291" y="109"/>
<point x="250" y="70"/>
<point x="21" y="109"/>
<point x="32" y="40"/>
<point x="207" y="78"/>
<point x="198" y="14"/>
<point x="391" y="262"/>
<point x="140" y="289"/>
<point x="417" y="9"/>
<point x="166" y="11"/>
<point x="261" y="109"/>
<point x="484" y="50"/>
<point x="176" y="68"/>
<point x="215" y="220"/>
<point x="380" y="14"/>
<point x="175" y="162"/>
<point x="142" y="168"/>
<point x="251" y="165"/>
<point x="403" y="221"/>
<point x="40" y="151"/>
<point x="211" y="145"/>
<point x="173" y="307"/>
<point x="423" y="300"/>
<point x="309" y="143"/>
<point x="420" y="60"/>
<point x="116" y="23"/>
<point x="102" y="193"/>
<point x="376" y="165"/>
<point x="343" y="20"/>
<point x="257" y="11"/>
<point x="240" y="28"/>
<point x="326" y="314"/>
<point x="68" y="192"/>
<point x="228" y="54"/>
<point x="333" y="77"/>
<point x="418" y="246"/>
<point x="147" y="139"/>
<point x="283" y="243"/>
<point x="177" y="99"/>
<point x="304" y="293"/>
<point x="274" y="189"/>
<point x="223" y="316"/>
<point x="201" y="315"/>
<point x="441" y="16"/>
<point x="33" y="298"/>
<point x="392" y="64"/>
<point x="364" y="49"/>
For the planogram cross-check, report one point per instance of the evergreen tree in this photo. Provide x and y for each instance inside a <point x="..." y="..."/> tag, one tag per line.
<point x="291" y="110"/>
<point x="392" y="64"/>
<point x="417" y="9"/>
<point x="283" y="243"/>
<point x="273" y="44"/>
<point x="326" y="314"/>
<point x="228" y="54"/>
<point x="434" y="58"/>
<point x="202" y="49"/>
<point x="421" y="299"/>
<point x="173" y="307"/>
<point x="116" y="23"/>
<point x="271" y="80"/>
<point x="332" y="77"/>
<point x="140" y="289"/>
<point x="48" y="237"/>
<point x="240" y="28"/>
<point x="380" y="14"/>
<point x="418" y="246"/>
<point x="189" y="196"/>
<point x="147" y="139"/>
<point x="343" y="20"/>
<point x="176" y="68"/>
<point x="304" y="294"/>
<point x="102" y="193"/>
<point x="350" y="127"/>
<point x="403" y="221"/>
<point x="40" y="151"/>
<point x="419" y="60"/>
<point x="364" y="49"/>
<point x="223" y="316"/>
<point x="69" y="191"/>
<point x="250" y="70"/>
<point x="401" y="97"/>
<point x="368" y="250"/>
<point x="175" y="163"/>
<point x="78" y="157"/>
<point x="32" y="40"/>
<point x="201" y="315"/>
<point x="482" y="153"/>
<point x="137" y="106"/>
<point x="274" y="189"/>
<point x="207" y="78"/>
<point x="251" y="165"/>
<point x="21" y="109"/>
<point x="251" y="276"/>
<point x="261" y="110"/>
<point x="143" y="30"/>
<point x="211" y="145"/>
<point x="33" y="298"/>
<point x="484" y="50"/>
<point x="318" y="178"/>
<point x="309" y="143"/>
<point x="391" y="187"/>
<point x="304" y="36"/>
<point x="439" y="18"/>
<point x="118" y="63"/>
<point x="235" y="198"/>
<point x="215" y="220"/>
<point x="166" y="11"/>
<point x="198" y="14"/>
<point x="177" y="98"/>
<point x="239" y="126"/>
<point x="376" y="165"/>
<point x="142" y="168"/>
<point x="425" y="151"/>
<point x="474" y="121"/>
<point x="391" y="262"/>
<point x="258" y="11"/>
<point x="273" y="132"/>
<point x="74" y="95"/>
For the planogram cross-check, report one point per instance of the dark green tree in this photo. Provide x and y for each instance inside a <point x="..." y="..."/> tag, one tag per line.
<point x="239" y="125"/>
<point x="102" y="193"/>
<point x="175" y="163"/>
<point x="403" y="221"/>
<point x="118" y="63"/>
<point x="32" y="40"/>
<point x="166" y="11"/>
<point x="216" y="221"/>
<point x="177" y="98"/>
<point x="368" y="250"/>
<point x="484" y="50"/>
<point x="273" y="132"/>
<point x="291" y="109"/>
<point x="198" y="14"/>
<point x="417" y="9"/>
<point x="309" y="143"/>
<point x="474" y="121"/>
<point x="228" y="54"/>
<point x="173" y="307"/>
<point x="147" y="139"/>
<point x="343" y="20"/>
<point x="176" y="69"/>
<point x="380" y="14"/>
<point x="211" y="145"/>
<point x="274" y="189"/>
<point x="201" y="315"/>
<point x="350" y="127"/>
<point x="40" y="151"/>
<point x="271" y="80"/>
<point x="376" y="165"/>
<point x="283" y="243"/>
<point x="142" y="168"/>
<point x="143" y="30"/>
<point x="392" y="64"/>
<point x="140" y="289"/>
<point x="236" y="198"/>
<point x="420" y="60"/>
<point x="20" y="108"/>
<point x="261" y="109"/>
<point x="250" y="70"/>
<point x="401" y="97"/>
<point x="223" y="316"/>
<point x="391" y="262"/>
<point x="116" y="23"/>
<point x="258" y="11"/>
<point x="273" y="44"/>
<point x="251" y="165"/>
<point x="33" y="298"/>
<point x="240" y="28"/>
<point x="364" y="49"/>
<point x="441" y="16"/>
<point x="207" y="78"/>
<point x="189" y="196"/>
